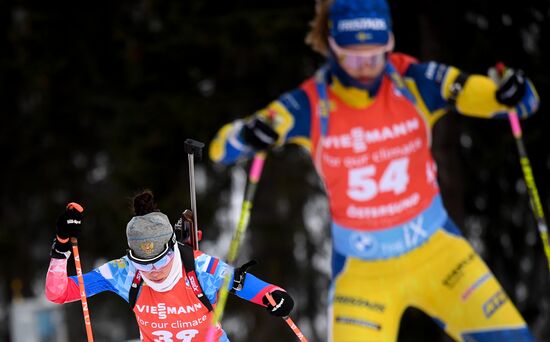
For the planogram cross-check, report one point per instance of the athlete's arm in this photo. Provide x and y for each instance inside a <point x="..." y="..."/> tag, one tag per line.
<point x="211" y="272"/>
<point x="255" y="290"/>
<point x="441" y="87"/>
<point x="61" y="288"/>
<point x="290" y="118"/>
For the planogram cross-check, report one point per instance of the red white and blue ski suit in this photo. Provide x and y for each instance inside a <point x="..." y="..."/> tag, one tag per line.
<point x="174" y="315"/>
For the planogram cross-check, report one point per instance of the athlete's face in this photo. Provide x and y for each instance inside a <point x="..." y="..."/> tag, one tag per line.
<point x="364" y="62"/>
<point x="158" y="275"/>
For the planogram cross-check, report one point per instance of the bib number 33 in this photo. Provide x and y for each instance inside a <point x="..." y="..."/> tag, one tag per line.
<point x="364" y="184"/>
<point x="183" y="336"/>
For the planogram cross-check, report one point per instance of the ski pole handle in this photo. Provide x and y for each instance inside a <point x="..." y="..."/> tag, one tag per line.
<point x="85" y="310"/>
<point x="193" y="149"/>
<point x="288" y="320"/>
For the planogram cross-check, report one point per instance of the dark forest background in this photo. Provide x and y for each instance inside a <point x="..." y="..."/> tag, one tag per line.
<point x="97" y="98"/>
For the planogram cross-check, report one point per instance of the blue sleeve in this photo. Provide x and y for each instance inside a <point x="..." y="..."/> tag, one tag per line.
<point x="254" y="289"/>
<point x="429" y="79"/>
<point x="291" y="116"/>
<point x="115" y="276"/>
<point x="211" y="273"/>
<point x="297" y="104"/>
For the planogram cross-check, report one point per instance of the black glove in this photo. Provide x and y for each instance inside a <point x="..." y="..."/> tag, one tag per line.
<point x="512" y="88"/>
<point x="258" y="134"/>
<point x="284" y="303"/>
<point x="68" y="225"/>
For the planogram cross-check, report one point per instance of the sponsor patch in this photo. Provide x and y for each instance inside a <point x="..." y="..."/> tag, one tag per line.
<point x="360" y="302"/>
<point x="359" y="322"/>
<point x="361" y="24"/>
<point x="453" y="277"/>
<point x="494" y="303"/>
<point x="474" y="286"/>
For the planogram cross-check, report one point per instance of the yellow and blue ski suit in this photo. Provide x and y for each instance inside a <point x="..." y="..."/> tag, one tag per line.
<point x="394" y="245"/>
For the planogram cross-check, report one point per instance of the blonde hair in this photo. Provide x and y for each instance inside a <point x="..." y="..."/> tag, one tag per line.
<point x="317" y="37"/>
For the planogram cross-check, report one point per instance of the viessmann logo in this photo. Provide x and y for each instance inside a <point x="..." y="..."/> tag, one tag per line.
<point x="358" y="138"/>
<point x="162" y="310"/>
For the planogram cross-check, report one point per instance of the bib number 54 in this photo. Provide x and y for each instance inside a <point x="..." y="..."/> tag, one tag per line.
<point x="364" y="186"/>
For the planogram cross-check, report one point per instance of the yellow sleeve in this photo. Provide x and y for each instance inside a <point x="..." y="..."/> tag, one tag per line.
<point x="217" y="145"/>
<point x="477" y="97"/>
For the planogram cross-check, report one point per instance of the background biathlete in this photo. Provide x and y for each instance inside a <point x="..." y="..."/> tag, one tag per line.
<point x="366" y="120"/>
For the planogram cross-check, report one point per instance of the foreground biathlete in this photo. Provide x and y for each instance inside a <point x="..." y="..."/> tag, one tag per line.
<point x="366" y="119"/>
<point x="170" y="287"/>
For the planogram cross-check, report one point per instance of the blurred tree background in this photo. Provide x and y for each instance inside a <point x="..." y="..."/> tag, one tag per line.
<point x="98" y="97"/>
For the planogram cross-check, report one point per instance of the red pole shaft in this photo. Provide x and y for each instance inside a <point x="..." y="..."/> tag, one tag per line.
<point x="83" y="299"/>
<point x="288" y="320"/>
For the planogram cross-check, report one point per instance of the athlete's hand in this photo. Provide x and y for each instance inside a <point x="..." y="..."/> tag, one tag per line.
<point x="259" y="134"/>
<point x="512" y="85"/>
<point x="283" y="306"/>
<point x="515" y="90"/>
<point x="69" y="222"/>
<point x="68" y="225"/>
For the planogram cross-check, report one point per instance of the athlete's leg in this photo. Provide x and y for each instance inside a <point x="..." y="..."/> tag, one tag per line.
<point x="364" y="306"/>
<point x="463" y="295"/>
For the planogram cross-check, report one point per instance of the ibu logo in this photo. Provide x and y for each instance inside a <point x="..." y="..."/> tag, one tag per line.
<point x="364" y="244"/>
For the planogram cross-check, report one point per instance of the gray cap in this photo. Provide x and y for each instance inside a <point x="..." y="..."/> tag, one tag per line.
<point x="148" y="234"/>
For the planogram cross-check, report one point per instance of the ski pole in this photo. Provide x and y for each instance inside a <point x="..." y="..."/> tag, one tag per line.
<point x="528" y="177"/>
<point x="288" y="320"/>
<point x="83" y="299"/>
<point x="193" y="149"/>
<point x="253" y="179"/>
